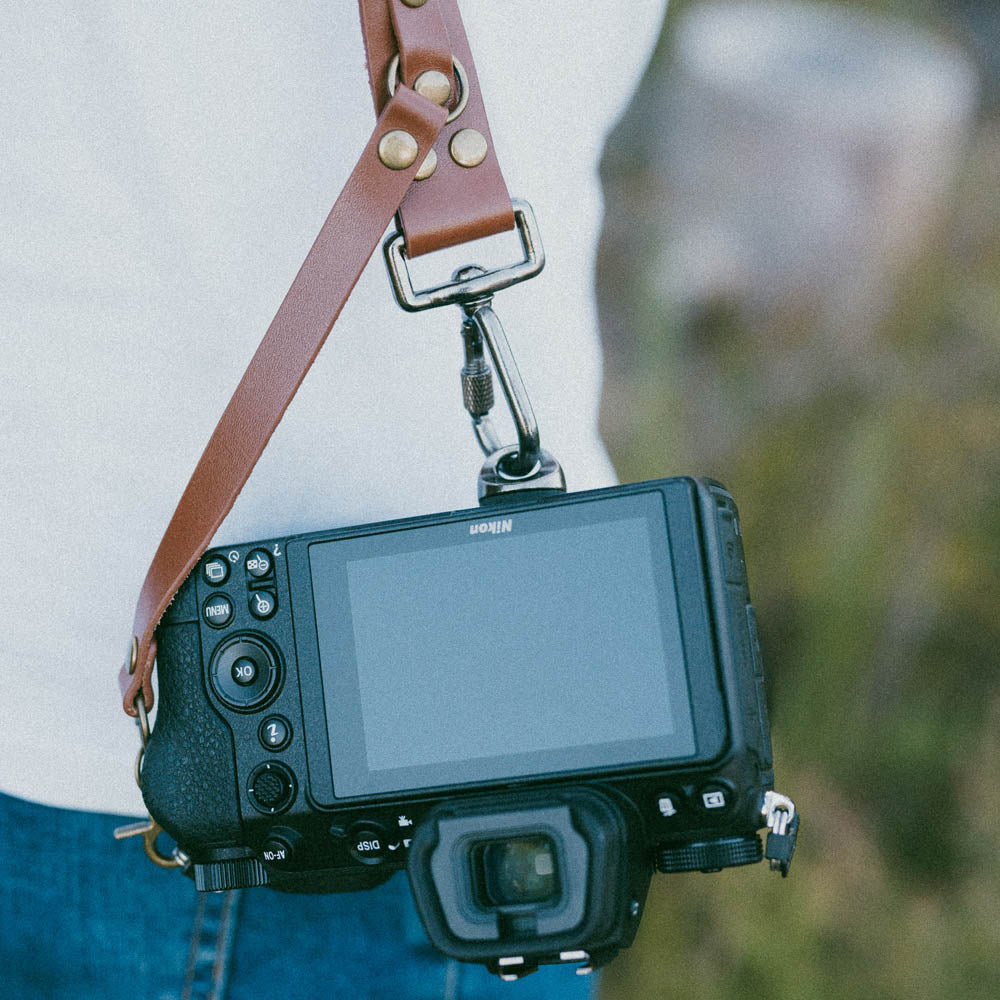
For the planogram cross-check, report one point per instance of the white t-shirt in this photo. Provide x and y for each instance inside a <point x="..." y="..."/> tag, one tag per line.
<point x="165" y="170"/>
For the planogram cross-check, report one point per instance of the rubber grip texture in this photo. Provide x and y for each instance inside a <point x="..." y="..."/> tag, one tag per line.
<point x="189" y="768"/>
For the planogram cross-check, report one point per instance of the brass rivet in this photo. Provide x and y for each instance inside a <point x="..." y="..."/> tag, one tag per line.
<point x="132" y="655"/>
<point x="427" y="167"/>
<point x="468" y="147"/>
<point x="434" y="86"/>
<point x="414" y="3"/>
<point x="397" y="149"/>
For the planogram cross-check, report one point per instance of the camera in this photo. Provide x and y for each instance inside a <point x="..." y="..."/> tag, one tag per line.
<point x="530" y="706"/>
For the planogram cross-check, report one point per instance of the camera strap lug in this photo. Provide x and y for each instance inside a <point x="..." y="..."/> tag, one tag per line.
<point x="782" y="821"/>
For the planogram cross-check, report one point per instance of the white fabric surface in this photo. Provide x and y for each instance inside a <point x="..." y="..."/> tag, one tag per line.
<point x="165" y="168"/>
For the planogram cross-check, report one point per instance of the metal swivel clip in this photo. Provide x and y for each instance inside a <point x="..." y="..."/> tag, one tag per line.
<point x="509" y="468"/>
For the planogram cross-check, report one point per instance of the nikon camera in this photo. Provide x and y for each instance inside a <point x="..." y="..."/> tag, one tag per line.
<point x="529" y="706"/>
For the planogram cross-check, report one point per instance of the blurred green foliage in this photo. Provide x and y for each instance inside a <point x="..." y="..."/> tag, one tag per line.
<point x="871" y="516"/>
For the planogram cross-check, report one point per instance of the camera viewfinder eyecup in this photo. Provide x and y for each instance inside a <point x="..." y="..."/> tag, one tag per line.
<point x="516" y="882"/>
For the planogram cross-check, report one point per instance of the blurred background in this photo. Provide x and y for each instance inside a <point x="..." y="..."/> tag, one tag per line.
<point x="799" y="282"/>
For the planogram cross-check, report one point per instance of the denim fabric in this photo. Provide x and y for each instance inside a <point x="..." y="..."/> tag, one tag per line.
<point x="87" y="917"/>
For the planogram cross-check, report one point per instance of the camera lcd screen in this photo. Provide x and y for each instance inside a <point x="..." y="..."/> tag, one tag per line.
<point x="511" y="645"/>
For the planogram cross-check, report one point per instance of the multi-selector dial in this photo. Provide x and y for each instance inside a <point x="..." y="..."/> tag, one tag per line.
<point x="244" y="672"/>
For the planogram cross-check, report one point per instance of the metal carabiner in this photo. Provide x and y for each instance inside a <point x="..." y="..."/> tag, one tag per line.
<point x="149" y="830"/>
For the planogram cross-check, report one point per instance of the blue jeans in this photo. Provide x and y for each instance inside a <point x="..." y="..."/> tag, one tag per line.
<point x="83" y="916"/>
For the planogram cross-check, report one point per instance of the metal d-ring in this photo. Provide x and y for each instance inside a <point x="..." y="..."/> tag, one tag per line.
<point x="148" y="829"/>
<point x="463" y="85"/>
<point x="478" y="285"/>
<point x="142" y="718"/>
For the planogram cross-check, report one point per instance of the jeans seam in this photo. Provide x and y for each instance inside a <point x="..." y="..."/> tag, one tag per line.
<point x="223" y="946"/>
<point x="211" y="946"/>
<point x="451" y="975"/>
<point x="193" y="949"/>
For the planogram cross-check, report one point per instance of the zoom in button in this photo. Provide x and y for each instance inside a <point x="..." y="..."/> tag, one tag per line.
<point x="263" y="604"/>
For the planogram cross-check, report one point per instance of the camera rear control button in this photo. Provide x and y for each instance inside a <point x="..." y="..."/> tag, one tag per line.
<point x="271" y="788"/>
<point x="244" y="671"/>
<point x="217" y="610"/>
<point x="279" y="848"/>
<point x="263" y="604"/>
<point x="216" y="571"/>
<point x="715" y="798"/>
<point x="368" y="844"/>
<point x="259" y="564"/>
<point x="275" y="733"/>
<point x="669" y="804"/>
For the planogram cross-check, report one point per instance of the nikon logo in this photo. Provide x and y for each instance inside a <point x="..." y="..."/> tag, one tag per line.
<point x="491" y="527"/>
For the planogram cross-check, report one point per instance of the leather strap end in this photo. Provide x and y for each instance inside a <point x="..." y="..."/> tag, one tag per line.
<point x="427" y="46"/>
<point x="141" y="679"/>
<point x="456" y="204"/>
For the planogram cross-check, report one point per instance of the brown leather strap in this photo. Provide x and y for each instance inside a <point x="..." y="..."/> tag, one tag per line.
<point x="352" y="231"/>
<point x="455" y="204"/>
<point x="347" y="240"/>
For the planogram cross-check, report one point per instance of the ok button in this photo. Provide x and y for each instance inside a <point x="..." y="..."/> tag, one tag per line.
<point x="244" y="671"/>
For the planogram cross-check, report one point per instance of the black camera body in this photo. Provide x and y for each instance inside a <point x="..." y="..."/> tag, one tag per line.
<point x="530" y="706"/>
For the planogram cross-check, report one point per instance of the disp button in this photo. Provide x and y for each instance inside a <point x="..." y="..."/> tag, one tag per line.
<point x="368" y="843"/>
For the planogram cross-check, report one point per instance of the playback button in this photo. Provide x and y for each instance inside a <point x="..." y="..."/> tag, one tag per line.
<point x="216" y="571"/>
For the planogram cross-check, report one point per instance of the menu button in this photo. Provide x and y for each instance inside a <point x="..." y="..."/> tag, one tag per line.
<point x="217" y="610"/>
